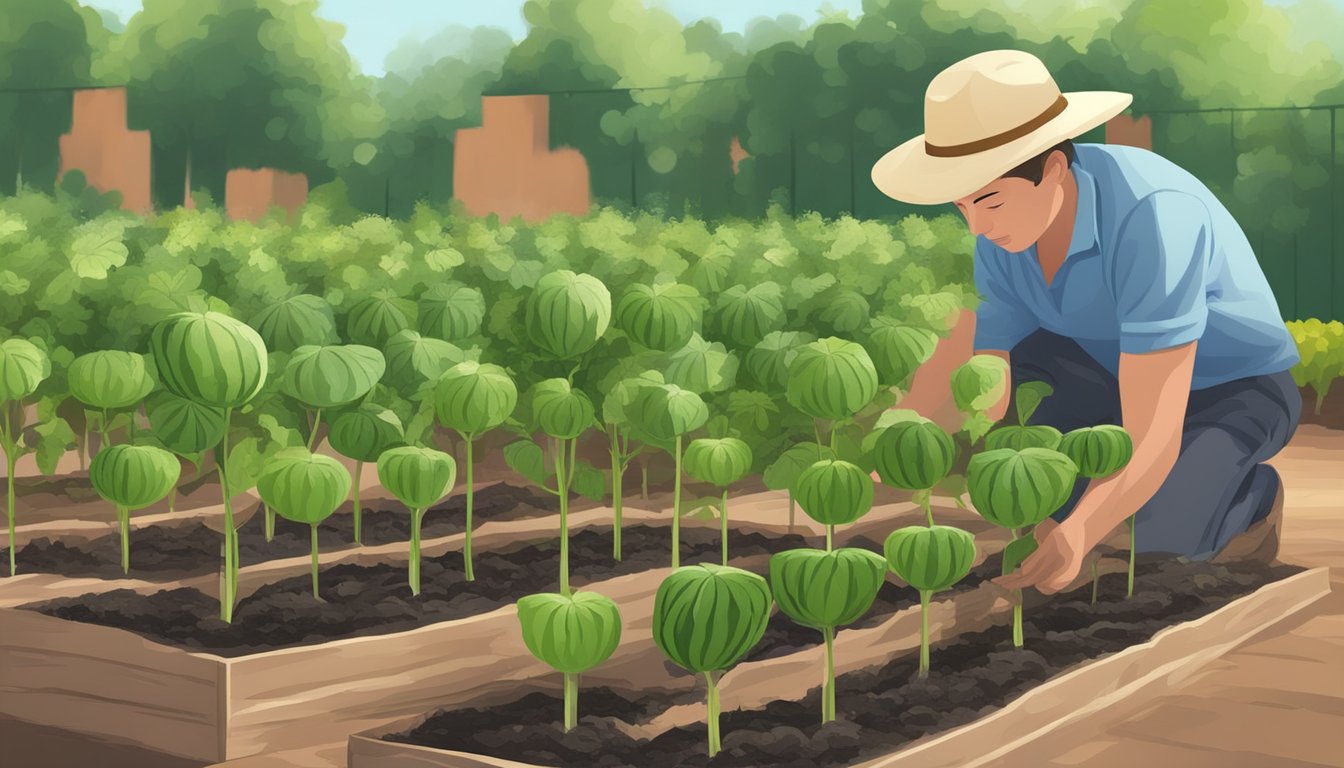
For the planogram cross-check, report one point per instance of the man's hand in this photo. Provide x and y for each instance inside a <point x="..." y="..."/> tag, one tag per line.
<point x="1054" y="565"/>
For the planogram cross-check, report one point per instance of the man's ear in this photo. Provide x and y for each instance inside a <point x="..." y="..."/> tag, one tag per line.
<point x="1056" y="165"/>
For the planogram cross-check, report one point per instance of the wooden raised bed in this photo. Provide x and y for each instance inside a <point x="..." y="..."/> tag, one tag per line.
<point x="110" y="683"/>
<point x="1069" y="699"/>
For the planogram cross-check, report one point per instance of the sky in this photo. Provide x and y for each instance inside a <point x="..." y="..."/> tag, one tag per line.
<point x="375" y="27"/>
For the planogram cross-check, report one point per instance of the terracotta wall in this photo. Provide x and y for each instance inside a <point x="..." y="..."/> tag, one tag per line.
<point x="737" y="153"/>
<point x="249" y="194"/>
<point x="110" y="156"/>
<point x="1123" y="129"/>
<point x="506" y="165"/>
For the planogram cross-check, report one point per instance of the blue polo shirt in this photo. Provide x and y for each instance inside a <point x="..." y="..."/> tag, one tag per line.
<point x="1155" y="262"/>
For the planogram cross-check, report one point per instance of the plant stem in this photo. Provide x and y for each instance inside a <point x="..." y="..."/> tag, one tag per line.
<point x="564" y="516"/>
<point x="1017" y="619"/>
<point x="466" y="544"/>
<point x="616" y="471"/>
<point x="84" y="446"/>
<point x="828" y="692"/>
<point x="124" y="523"/>
<point x="313" y="530"/>
<point x="1320" y="398"/>
<point x="928" y="507"/>
<point x="1095" y="578"/>
<point x="9" y="495"/>
<point x="830" y="533"/>
<point x="644" y="478"/>
<point x="924" y="596"/>
<point x="172" y="499"/>
<point x="1130" y="593"/>
<point x="414" y="572"/>
<point x="571" y="702"/>
<point x="312" y="436"/>
<point x="227" y="593"/>
<point x="817" y="434"/>
<point x="359" y="512"/>
<point x="270" y="520"/>
<point x="712" y="702"/>
<point x="676" y="508"/>
<point x="792" y="505"/>
<point x="723" y="526"/>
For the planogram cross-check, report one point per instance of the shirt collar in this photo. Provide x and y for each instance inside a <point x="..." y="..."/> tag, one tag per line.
<point x="1085" y="219"/>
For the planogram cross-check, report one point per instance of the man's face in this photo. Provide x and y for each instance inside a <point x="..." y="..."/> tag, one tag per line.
<point x="1013" y="213"/>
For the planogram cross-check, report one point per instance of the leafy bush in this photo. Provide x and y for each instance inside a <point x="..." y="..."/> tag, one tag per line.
<point x="1321" y="348"/>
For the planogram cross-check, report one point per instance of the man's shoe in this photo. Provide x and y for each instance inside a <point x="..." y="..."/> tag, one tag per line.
<point x="1260" y="542"/>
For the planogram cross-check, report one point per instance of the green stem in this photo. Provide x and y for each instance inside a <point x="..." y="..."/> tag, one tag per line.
<point x="613" y="432"/>
<point x="571" y="701"/>
<point x="1017" y="619"/>
<point x="237" y="565"/>
<point x="1130" y="593"/>
<point x="828" y="692"/>
<point x="9" y="497"/>
<point x="124" y="523"/>
<point x="676" y="508"/>
<point x="312" y="436"/>
<point x="723" y="526"/>
<point x="312" y="527"/>
<point x="227" y="593"/>
<point x="816" y="433"/>
<point x="924" y="596"/>
<point x="1320" y="398"/>
<point x="644" y="478"/>
<point x="414" y="565"/>
<point x="172" y="499"/>
<point x="564" y="516"/>
<point x="833" y="431"/>
<point x="712" y="702"/>
<point x="84" y="445"/>
<point x="102" y="431"/>
<point x="928" y="507"/>
<point x="359" y="511"/>
<point x="270" y="520"/>
<point x="792" y="505"/>
<point x="830" y="533"/>
<point x="466" y="544"/>
<point x="1096" y="577"/>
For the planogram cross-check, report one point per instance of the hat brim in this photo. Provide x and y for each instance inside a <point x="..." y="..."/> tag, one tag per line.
<point x="909" y="174"/>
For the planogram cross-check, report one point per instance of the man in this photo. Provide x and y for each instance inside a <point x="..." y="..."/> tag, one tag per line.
<point x="1120" y="280"/>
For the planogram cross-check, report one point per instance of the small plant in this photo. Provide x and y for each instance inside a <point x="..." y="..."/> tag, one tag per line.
<point x="185" y="427"/>
<point x="719" y="461"/>
<point x="304" y="487"/>
<point x="930" y="559"/>
<point x="473" y="398"/>
<point x="329" y="377"/>
<point x="977" y="385"/>
<point x="1028" y="397"/>
<point x="109" y="381"/>
<point x="706" y="618"/>
<point x="564" y="413"/>
<point x="132" y="477"/>
<point x="22" y="367"/>
<point x="418" y="477"/>
<point x="1017" y="490"/>
<point x="363" y="434"/>
<point x="914" y="454"/>
<point x="1320" y="348"/>
<point x="1100" y="452"/>
<point x="216" y="361"/>
<point x="834" y="588"/>
<point x="668" y="412"/>
<point x="571" y="633"/>
<point x="300" y="320"/>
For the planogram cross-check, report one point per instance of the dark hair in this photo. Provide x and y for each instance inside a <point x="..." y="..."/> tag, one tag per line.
<point x="1033" y="169"/>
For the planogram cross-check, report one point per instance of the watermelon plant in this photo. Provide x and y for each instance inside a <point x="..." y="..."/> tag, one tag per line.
<point x="363" y="434"/>
<point x="567" y="313"/>
<point x="22" y="367"/>
<point x="473" y="398"/>
<point x="185" y="427"/>
<point x="564" y="413"/>
<point x="1017" y="489"/>
<point x="216" y="361"/>
<point x="929" y="558"/>
<point x="912" y="453"/>
<point x="706" y="618"/>
<point x="377" y="318"/>
<point x="329" y="377"/>
<point x="413" y="360"/>
<point x="667" y="412"/>
<point x="831" y="379"/>
<point x="571" y="633"/>
<point x="782" y="474"/>
<point x="719" y="461"/>
<point x="834" y="588"/>
<point x="107" y="382"/>
<point x="304" y="487"/>
<point x="1100" y="452"/>
<point x="621" y="430"/>
<point x="300" y="320"/>
<point x="451" y="311"/>
<point x="1018" y="436"/>
<point x="977" y="386"/>
<point x="132" y="477"/>
<point x="418" y="477"/>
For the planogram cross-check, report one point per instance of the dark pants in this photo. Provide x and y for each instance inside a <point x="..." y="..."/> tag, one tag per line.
<point x="1218" y="486"/>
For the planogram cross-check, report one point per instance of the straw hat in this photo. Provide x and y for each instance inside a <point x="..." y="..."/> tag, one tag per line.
<point x="983" y="116"/>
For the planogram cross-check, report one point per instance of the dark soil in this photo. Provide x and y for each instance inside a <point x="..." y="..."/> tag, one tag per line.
<point x="168" y="552"/>
<point x="1332" y="408"/>
<point x="879" y="709"/>
<point x="359" y="600"/>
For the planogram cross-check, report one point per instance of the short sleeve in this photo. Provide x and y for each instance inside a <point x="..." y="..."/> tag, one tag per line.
<point x="1160" y="264"/>
<point x="1002" y="319"/>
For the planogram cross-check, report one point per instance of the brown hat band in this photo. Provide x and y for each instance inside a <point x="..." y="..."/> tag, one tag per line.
<point x="999" y="139"/>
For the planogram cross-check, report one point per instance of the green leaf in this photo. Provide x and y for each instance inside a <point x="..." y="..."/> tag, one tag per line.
<point x="977" y="425"/>
<point x="97" y="248"/>
<point x="1029" y="396"/>
<point x="13" y="285"/>
<point x="54" y="438"/>
<point x="1017" y="551"/>
<point x="444" y="259"/>
<point x="525" y="458"/>
<point x="589" y="482"/>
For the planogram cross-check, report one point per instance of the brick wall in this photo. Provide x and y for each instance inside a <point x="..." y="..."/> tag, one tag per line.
<point x="1123" y="129"/>
<point x="111" y="157"/>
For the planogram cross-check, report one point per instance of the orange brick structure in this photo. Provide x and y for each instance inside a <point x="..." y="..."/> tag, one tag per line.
<point x="110" y="156"/>
<point x="507" y="167"/>
<point x="249" y="194"/>
<point x="737" y="153"/>
<point x="1123" y="129"/>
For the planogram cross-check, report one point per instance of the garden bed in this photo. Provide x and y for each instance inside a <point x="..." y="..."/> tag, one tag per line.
<point x="174" y="551"/>
<point x="107" y="682"/>
<point x="976" y="677"/>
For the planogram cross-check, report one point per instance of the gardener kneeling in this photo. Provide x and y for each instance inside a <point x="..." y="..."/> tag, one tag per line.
<point x="1117" y="278"/>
